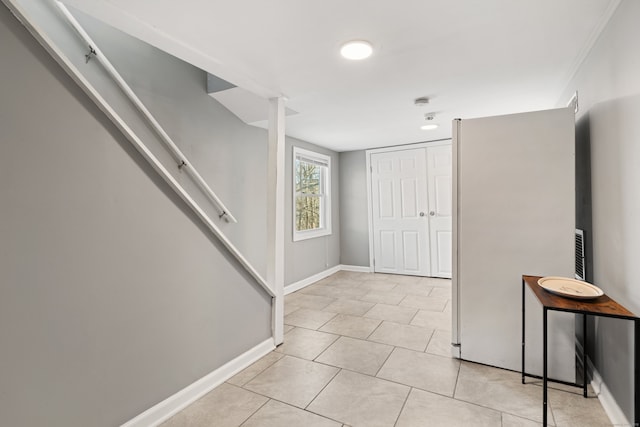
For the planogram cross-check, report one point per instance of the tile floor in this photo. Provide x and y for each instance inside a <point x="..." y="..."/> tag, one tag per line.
<point x="369" y="350"/>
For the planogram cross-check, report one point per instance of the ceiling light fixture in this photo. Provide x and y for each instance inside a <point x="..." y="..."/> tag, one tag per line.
<point x="429" y="117"/>
<point x="356" y="49"/>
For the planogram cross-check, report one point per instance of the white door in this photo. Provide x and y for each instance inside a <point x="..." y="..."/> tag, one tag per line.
<point x="399" y="212"/>
<point x="439" y="163"/>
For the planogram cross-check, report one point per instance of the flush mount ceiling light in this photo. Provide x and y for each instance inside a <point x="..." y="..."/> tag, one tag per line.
<point x="430" y="126"/>
<point x="356" y="49"/>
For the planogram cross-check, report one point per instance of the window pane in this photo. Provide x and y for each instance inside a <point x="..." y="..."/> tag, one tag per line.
<point x="308" y="210"/>
<point x="311" y="190"/>
<point x="308" y="178"/>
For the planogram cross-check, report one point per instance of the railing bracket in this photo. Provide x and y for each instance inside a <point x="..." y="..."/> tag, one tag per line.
<point x="89" y="55"/>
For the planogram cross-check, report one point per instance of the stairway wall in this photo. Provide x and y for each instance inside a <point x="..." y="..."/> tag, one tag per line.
<point x="113" y="295"/>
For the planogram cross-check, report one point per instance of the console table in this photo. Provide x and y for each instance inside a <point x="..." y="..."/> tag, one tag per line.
<point x="602" y="306"/>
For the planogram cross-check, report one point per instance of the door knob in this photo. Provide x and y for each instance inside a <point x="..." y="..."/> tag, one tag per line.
<point x="421" y="213"/>
<point x="432" y="213"/>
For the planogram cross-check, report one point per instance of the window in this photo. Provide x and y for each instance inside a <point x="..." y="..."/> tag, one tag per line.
<point x="311" y="194"/>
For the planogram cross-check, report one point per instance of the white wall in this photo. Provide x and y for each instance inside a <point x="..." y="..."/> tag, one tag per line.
<point x="608" y="120"/>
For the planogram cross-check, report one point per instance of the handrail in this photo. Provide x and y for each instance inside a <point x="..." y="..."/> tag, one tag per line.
<point x="101" y="102"/>
<point x="180" y="158"/>
<point x="157" y="165"/>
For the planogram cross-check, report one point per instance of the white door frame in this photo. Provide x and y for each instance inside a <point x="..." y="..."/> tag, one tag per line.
<point x="368" y="154"/>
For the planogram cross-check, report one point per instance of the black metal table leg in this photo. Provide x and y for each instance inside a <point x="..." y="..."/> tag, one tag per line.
<point x="523" y="332"/>
<point x="636" y="373"/>
<point x="544" y="367"/>
<point x="584" y="355"/>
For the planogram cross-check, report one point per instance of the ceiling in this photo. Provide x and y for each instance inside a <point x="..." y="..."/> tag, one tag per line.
<point x="472" y="58"/>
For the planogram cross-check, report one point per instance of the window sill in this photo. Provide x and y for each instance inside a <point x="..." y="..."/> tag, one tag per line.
<point x="311" y="234"/>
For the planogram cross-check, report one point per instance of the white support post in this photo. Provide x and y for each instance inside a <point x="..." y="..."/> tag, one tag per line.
<point x="275" y="215"/>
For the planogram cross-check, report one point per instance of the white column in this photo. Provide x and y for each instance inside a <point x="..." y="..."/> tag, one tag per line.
<point x="275" y="215"/>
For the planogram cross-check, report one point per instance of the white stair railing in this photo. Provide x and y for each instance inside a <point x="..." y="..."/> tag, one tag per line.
<point x="180" y="158"/>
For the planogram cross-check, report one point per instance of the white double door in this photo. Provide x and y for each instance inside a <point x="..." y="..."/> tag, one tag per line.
<point x="411" y="210"/>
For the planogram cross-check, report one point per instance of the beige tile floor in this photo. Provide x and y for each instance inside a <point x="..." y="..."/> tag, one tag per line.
<point x="369" y="350"/>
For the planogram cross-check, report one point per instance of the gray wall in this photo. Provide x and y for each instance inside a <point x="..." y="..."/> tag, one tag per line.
<point x="354" y="216"/>
<point x="305" y="258"/>
<point x="609" y="95"/>
<point x="113" y="296"/>
<point x="230" y="155"/>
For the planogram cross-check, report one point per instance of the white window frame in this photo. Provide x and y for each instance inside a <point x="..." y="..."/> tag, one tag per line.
<point x="325" y="213"/>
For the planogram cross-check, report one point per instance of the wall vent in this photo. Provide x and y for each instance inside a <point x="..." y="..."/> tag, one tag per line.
<point x="580" y="269"/>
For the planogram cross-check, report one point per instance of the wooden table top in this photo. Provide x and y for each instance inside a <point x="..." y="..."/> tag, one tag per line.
<point x="601" y="306"/>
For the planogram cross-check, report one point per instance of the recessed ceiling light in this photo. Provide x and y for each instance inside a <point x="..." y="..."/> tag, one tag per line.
<point x="357" y="49"/>
<point x="429" y="126"/>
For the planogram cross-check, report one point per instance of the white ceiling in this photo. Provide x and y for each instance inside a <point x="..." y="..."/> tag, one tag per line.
<point x="471" y="57"/>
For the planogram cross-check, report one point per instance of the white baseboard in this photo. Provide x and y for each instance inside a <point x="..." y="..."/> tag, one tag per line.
<point x="356" y="268"/>
<point x="326" y="273"/>
<point x="309" y="280"/>
<point x="183" y="398"/>
<point x="175" y="403"/>
<point x="608" y="402"/>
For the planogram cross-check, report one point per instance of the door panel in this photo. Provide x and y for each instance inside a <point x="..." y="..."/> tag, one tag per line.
<point x="401" y="235"/>
<point x="443" y="195"/>
<point x="388" y="249"/>
<point x="409" y="198"/>
<point x="411" y="249"/>
<point x="385" y="199"/>
<point x="443" y="263"/>
<point x="439" y="164"/>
